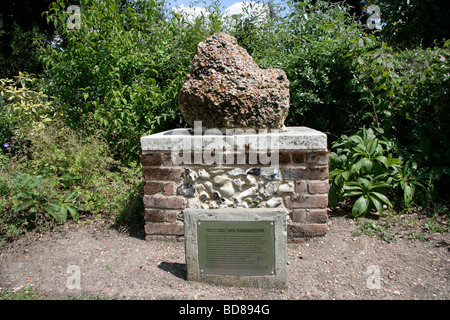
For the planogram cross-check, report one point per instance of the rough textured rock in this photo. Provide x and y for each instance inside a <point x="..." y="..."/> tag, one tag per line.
<point x="225" y="88"/>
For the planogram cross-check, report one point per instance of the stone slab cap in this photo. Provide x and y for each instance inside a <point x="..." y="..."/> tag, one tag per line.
<point x="273" y="216"/>
<point x="291" y="138"/>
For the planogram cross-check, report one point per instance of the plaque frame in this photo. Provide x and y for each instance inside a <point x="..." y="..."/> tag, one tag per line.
<point x="245" y="219"/>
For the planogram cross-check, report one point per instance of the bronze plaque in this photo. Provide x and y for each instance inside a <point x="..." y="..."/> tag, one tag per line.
<point x="243" y="248"/>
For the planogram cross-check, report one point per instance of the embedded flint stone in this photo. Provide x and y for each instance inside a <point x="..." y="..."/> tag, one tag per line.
<point x="216" y="195"/>
<point x="235" y="172"/>
<point x="186" y="189"/>
<point x="274" y="202"/>
<point x="203" y="174"/>
<point x="225" y="88"/>
<point x="227" y="190"/>
<point x="286" y="188"/>
<point x="271" y="174"/>
<point x="204" y="196"/>
<point x="190" y="175"/>
<point x="254" y="171"/>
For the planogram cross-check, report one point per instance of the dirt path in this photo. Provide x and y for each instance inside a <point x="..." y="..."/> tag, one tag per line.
<point x="339" y="265"/>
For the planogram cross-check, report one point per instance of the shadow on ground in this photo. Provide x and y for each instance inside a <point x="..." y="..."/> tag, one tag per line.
<point x="175" y="268"/>
<point x="131" y="219"/>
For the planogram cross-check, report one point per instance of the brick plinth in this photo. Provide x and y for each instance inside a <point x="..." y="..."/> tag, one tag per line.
<point x="239" y="177"/>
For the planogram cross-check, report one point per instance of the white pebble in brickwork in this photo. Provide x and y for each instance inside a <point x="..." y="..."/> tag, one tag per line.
<point x="203" y="174"/>
<point x="286" y="187"/>
<point x="250" y="180"/>
<point x="246" y="193"/>
<point x="220" y="180"/>
<point x="270" y="189"/>
<point x="190" y="175"/>
<point x="237" y="184"/>
<point x="200" y="187"/>
<point x="235" y="172"/>
<point x="273" y="202"/>
<point x="271" y="174"/>
<point x="227" y="189"/>
<point x="209" y="186"/>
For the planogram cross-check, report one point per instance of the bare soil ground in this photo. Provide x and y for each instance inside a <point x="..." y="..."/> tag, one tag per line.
<point x="339" y="265"/>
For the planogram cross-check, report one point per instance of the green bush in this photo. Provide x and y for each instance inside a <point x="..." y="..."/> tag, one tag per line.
<point x="316" y="43"/>
<point x="362" y="166"/>
<point x="23" y="106"/>
<point x="24" y="204"/>
<point x="121" y="71"/>
<point x="342" y="77"/>
<point x="49" y="172"/>
<point x="408" y="90"/>
<point x="62" y="177"/>
<point x="375" y="170"/>
<point x="83" y="164"/>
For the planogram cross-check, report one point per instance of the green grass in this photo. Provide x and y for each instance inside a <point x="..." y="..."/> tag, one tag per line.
<point x="31" y="293"/>
<point x="416" y="223"/>
<point x="22" y="294"/>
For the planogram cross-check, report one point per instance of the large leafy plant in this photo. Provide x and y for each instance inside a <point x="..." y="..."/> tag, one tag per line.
<point x="362" y="166"/>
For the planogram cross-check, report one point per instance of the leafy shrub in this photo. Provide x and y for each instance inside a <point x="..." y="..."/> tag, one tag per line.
<point x="362" y="166"/>
<point x="83" y="164"/>
<point x="342" y="78"/>
<point x="23" y="102"/>
<point x="24" y="204"/>
<point x="374" y="170"/>
<point x="408" y="90"/>
<point x="23" y="106"/>
<point x="316" y="43"/>
<point x="62" y="177"/>
<point x="121" y="71"/>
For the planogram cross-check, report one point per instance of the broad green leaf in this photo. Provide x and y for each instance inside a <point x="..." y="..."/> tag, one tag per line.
<point x="372" y="147"/>
<point x="360" y="207"/>
<point x="346" y="175"/>
<point x="383" y="160"/>
<point x="353" y="193"/>
<point x="73" y="213"/>
<point x="378" y="205"/>
<point x="353" y="187"/>
<point x="382" y="197"/>
<point x="366" y="166"/>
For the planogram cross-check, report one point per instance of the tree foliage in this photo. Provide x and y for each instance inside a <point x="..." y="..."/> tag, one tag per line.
<point x="23" y="32"/>
<point x="121" y="70"/>
<point x="414" y="23"/>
